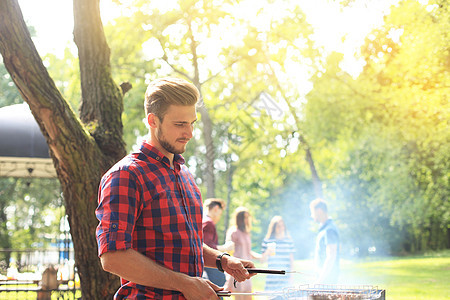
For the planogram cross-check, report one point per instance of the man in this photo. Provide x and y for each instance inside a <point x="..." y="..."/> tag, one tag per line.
<point x="327" y="244"/>
<point x="213" y="211"/>
<point x="150" y="209"/>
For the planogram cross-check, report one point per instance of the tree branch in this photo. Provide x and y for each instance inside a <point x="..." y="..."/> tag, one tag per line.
<point x="225" y="68"/>
<point x="166" y="60"/>
<point x="125" y="87"/>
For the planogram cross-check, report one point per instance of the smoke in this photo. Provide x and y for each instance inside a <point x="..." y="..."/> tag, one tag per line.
<point x="365" y="231"/>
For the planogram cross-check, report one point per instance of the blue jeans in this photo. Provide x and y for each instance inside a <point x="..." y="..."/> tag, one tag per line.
<point x="215" y="276"/>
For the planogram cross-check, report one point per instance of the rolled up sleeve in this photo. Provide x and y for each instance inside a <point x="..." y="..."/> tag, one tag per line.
<point x="118" y="208"/>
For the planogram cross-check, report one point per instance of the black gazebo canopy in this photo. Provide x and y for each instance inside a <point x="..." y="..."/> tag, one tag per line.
<point x="23" y="148"/>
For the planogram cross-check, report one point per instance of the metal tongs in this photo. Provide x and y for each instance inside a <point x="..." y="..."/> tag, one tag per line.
<point x="266" y="271"/>
<point x="229" y="294"/>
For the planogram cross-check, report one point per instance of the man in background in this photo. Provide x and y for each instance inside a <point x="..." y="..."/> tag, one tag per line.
<point x="327" y="244"/>
<point x="213" y="209"/>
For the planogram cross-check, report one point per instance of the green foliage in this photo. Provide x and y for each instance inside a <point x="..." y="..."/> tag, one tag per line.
<point x="379" y="140"/>
<point x="9" y="94"/>
<point x="8" y="91"/>
<point x="66" y="75"/>
<point x="31" y="212"/>
<point x="389" y="127"/>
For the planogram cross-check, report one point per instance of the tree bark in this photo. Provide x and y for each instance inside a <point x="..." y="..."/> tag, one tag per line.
<point x="209" y="176"/>
<point x="101" y="99"/>
<point x="79" y="158"/>
<point x="317" y="183"/>
<point x="230" y="174"/>
<point x="210" y="152"/>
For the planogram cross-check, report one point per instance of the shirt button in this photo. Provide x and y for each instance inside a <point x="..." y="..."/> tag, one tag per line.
<point x="157" y="158"/>
<point x="114" y="226"/>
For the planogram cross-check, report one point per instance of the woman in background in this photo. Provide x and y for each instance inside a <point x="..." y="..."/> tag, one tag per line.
<point x="239" y="236"/>
<point x="279" y="248"/>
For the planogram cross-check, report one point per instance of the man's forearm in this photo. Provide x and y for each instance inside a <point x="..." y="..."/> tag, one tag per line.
<point x="210" y="255"/>
<point x="236" y="267"/>
<point x="133" y="266"/>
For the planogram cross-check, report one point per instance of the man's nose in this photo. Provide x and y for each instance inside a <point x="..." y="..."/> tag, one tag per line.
<point x="189" y="132"/>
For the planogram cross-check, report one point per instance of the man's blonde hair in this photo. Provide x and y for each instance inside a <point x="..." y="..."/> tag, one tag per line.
<point x="163" y="92"/>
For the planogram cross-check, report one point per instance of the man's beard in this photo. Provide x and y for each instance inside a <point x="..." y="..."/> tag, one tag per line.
<point x="166" y="145"/>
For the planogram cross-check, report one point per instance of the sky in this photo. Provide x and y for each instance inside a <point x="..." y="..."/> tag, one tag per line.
<point x="53" y="22"/>
<point x="331" y="24"/>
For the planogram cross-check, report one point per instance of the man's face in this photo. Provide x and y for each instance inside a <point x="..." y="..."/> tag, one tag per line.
<point x="215" y="214"/>
<point x="175" y="131"/>
<point x="315" y="213"/>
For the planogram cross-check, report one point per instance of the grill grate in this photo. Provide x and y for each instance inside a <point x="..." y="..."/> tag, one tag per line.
<point x="333" y="292"/>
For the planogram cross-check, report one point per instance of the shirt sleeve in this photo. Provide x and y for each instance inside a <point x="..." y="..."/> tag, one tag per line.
<point x="331" y="237"/>
<point x="117" y="211"/>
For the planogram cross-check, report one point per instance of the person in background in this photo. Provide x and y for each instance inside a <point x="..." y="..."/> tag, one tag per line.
<point x="327" y="244"/>
<point x="278" y="248"/>
<point x="213" y="208"/>
<point x="150" y="209"/>
<point x="239" y="236"/>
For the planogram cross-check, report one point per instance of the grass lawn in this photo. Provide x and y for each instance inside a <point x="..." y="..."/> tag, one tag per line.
<point x="413" y="277"/>
<point x="425" y="277"/>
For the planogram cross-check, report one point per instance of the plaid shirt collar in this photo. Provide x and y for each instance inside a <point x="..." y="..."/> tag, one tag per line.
<point x="152" y="152"/>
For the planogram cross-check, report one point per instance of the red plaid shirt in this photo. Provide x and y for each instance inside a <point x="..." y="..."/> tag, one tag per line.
<point x="149" y="207"/>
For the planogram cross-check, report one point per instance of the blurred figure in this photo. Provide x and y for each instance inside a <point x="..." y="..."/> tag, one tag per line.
<point x="278" y="247"/>
<point x="213" y="211"/>
<point x="327" y="244"/>
<point x="240" y="237"/>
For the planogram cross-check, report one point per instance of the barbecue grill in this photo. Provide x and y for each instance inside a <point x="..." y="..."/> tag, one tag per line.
<point x="332" y="292"/>
<point x="320" y="292"/>
<point x="314" y="291"/>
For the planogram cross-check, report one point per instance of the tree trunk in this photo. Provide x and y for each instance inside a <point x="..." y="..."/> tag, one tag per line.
<point x="231" y="169"/>
<point x="210" y="152"/>
<point x="315" y="177"/>
<point x="101" y="99"/>
<point x="207" y="123"/>
<point x="317" y="183"/>
<point x="79" y="159"/>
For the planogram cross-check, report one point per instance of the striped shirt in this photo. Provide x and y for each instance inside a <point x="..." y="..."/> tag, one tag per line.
<point x="281" y="260"/>
<point x="147" y="206"/>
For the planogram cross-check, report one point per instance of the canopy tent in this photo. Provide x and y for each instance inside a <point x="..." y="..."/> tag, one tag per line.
<point x="23" y="148"/>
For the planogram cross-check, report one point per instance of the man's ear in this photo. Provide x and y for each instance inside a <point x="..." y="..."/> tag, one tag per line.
<point x="151" y="119"/>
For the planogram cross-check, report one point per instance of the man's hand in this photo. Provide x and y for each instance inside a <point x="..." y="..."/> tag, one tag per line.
<point x="237" y="268"/>
<point x="198" y="288"/>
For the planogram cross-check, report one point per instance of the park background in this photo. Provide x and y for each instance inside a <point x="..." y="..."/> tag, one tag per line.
<point x="347" y="100"/>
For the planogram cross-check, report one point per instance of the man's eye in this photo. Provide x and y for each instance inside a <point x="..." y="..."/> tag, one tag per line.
<point x="184" y="125"/>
